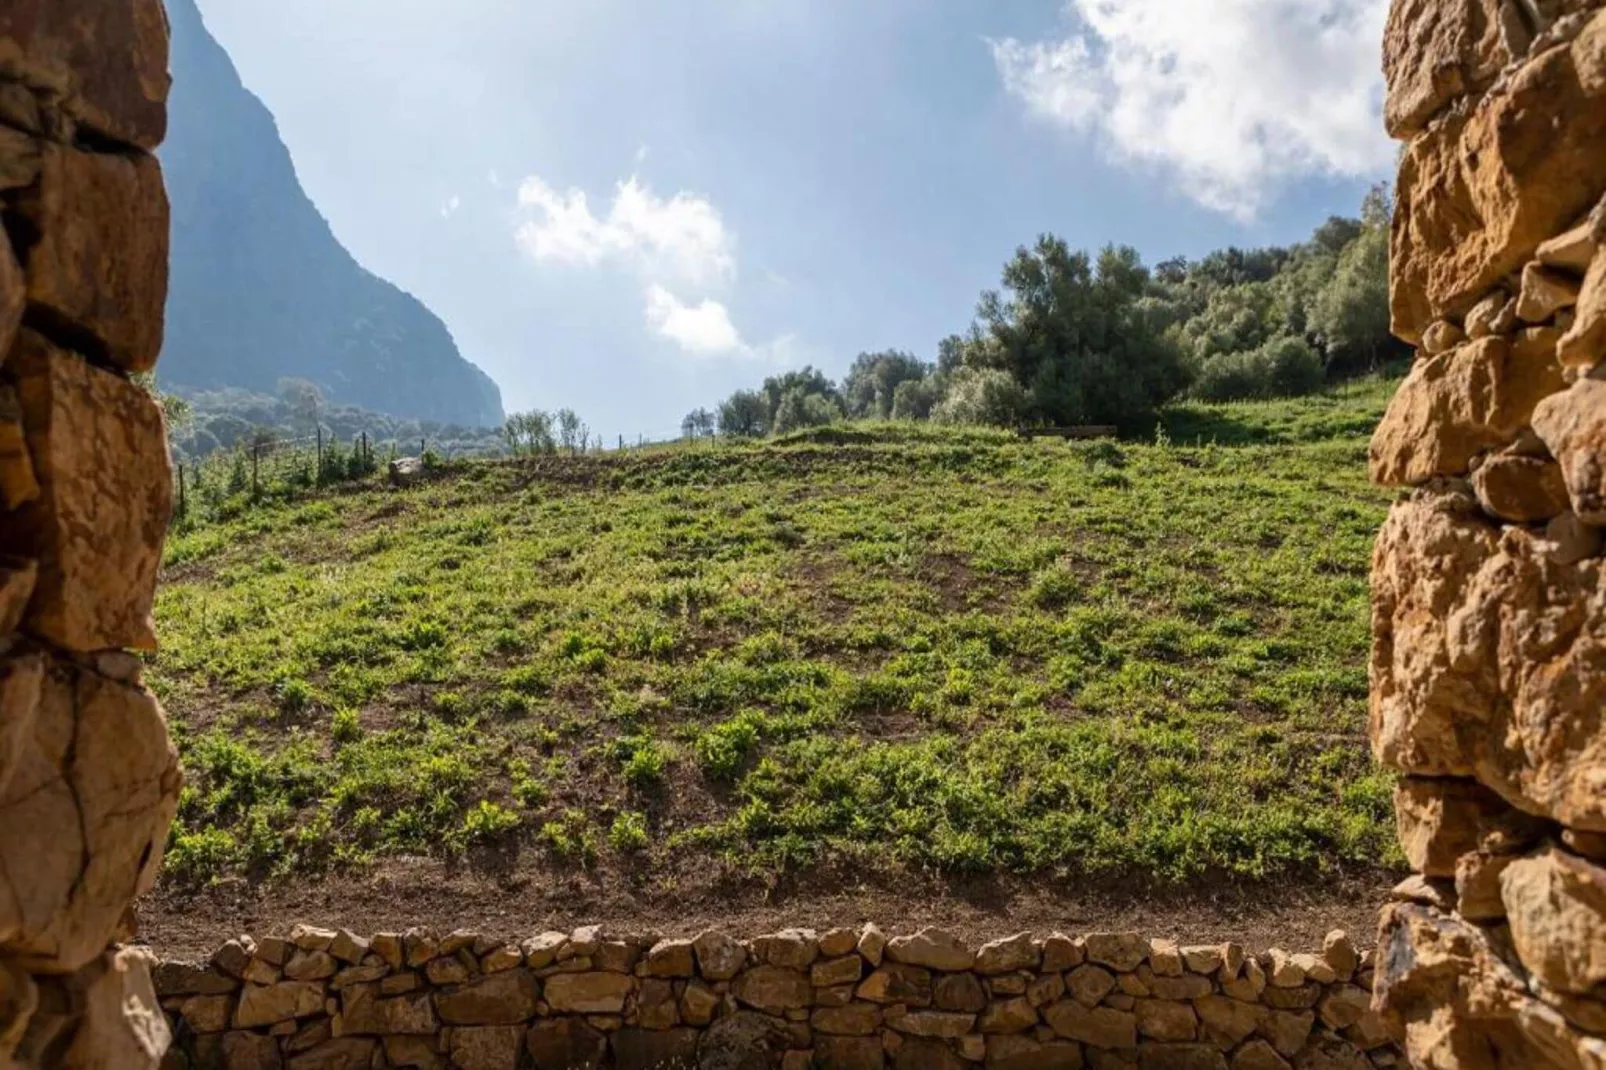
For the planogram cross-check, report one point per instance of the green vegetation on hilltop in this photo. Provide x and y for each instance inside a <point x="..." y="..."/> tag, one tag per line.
<point x="906" y="646"/>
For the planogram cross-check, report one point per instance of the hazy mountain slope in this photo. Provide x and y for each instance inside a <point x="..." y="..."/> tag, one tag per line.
<point x="261" y="288"/>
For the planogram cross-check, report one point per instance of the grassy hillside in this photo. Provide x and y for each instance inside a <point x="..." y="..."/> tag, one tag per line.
<point x="895" y="645"/>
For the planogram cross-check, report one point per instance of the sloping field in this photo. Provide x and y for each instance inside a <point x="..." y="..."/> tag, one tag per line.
<point x="894" y="652"/>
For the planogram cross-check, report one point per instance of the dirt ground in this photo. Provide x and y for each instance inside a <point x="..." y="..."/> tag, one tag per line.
<point x="1290" y="914"/>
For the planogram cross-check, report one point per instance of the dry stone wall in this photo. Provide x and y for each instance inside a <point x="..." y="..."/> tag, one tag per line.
<point x="88" y="778"/>
<point x="840" y="1000"/>
<point x="1489" y="583"/>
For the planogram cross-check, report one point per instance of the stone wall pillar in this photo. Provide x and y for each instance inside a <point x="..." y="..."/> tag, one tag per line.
<point x="88" y="777"/>
<point x="1488" y="665"/>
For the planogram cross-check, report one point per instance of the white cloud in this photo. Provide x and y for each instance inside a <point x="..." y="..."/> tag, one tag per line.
<point x="1233" y="97"/>
<point x="449" y="209"/>
<point x="681" y="238"/>
<point x="703" y="329"/>
<point x="680" y="241"/>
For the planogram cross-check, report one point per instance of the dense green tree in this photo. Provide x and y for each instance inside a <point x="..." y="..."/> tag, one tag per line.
<point x="871" y="385"/>
<point x="1351" y="314"/>
<point x="745" y="414"/>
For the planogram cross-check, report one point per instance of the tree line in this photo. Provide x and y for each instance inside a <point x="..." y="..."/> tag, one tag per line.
<point x="1074" y="339"/>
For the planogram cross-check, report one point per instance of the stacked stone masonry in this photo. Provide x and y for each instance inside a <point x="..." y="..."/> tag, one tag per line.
<point x="1488" y="667"/>
<point x="847" y="999"/>
<point x="88" y="777"/>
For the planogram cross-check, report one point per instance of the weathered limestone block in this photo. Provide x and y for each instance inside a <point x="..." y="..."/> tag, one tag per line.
<point x="565" y="1044"/>
<point x="1556" y="905"/>
<point x="1455" y="406"/>
<point x="1489" y="661"/>
<point x="122" y="1026"/>
<point x="1444" y="988"/>
<point x="1519" y="489"/>
<point x="1477" y="193"/>
<point x="1440" y="820"/>
<point x="1433" y="53"/>
<point x="1573" y="426"/>
<point x="107" y="60"/>
<point x="100" y="264"/>
<point x="1584" y="345"/>
<point x="85" y="814"/>
<point x="19" y="998"/>
<point x="100" y="452"/>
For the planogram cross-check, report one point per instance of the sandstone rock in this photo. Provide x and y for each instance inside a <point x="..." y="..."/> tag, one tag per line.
<point x="872" y="944"/>
<point x="1012" y="953"/>
<point x="1121" y="952"/>
<point x="84" y="813"/>
<point x="1165" y="1056"/>
<point x="854" y="1019"/>
<point x="1099" y="1027"/>
<point x="1455" y="406"/>
<point x="1287" y="1030"/>
<point x="848" y="1053"/>
<point x="793" y="949"/>
<point x="923" y="1054"/>
<point x="742" y="1041"/>
<point x="1061" y="952"/>
<point x="1457" y="669"/>
<point x="719" y="956"/>
<point x="120" y="1023"/>
<point x="506" y="998"/>
<point x="446" y="970"/>
<point x="565" y="1044"/>
<point x="897" y="983"/>
<point x="958" y="992"/>
<point x="1174" y="988"/>
<point x="670" y="958"/>
<point x="1521" y="490"/>
<point x="773" y="989"/>
<point x="266" y="1004"/>
<point x="96" y="529"/>
<point x="1165" y="958"/>
<point x="841" y="971"/>
<point x="698" y="1003"/>
<point x="1573" y="426"/>
<point x="100" y="261"/>
<point x="1441" y="337"/>
<point x="1440" y="820"/>
<point x="1477" y="193"/>
<point x="1258" y="1055"/>
<point x="649" y="1049"/>
<point x="542" y="951"/>
<point x="348" y="948"/>
<point x="310" y="966"/>
<point x="1203" y="959"/>
<point x="311" y="937"/>
<point x="933" y="949"/>
<point x="1338" y="951"/>
<point x="1226" y="1022"/>
<point x="1166" y="1020"/>
<point x="251" y="1051"/>
<point x="345" y="1053"/>
<point x="388" y="946"/>
<point x="189" y="979"/>
<point x="416" y="1052"/>
<point x="110" y="69"/>
<point x="506" y="957"/>
<point x="1584" y="344"/>
<point x="487" y="1047"/>
<point x="1545" y="292"/>
<point x="1281" y="969"/>
<point x="1045" y="989"/>
<point x="1477" y="886"/>
<point x="588" y="993"/>
<point x="927" y="1023"/>
<point x="207" y="1014"/>
<point x="366" y="1013"/>
<point x="1343" y="1006"/>
<point x="1556" y="905"/>
<point x="1008" y="1016"/>
<point x="406" y="471"/>
<point x="1089" y="984"/>
<point x="1484" y="318"/>
<point x="1434" y="53"/>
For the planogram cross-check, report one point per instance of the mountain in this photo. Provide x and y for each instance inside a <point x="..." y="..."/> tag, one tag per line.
<point x="261" y="289"/>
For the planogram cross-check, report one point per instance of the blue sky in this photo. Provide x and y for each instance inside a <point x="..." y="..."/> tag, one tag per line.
<point x="632" y="207"/>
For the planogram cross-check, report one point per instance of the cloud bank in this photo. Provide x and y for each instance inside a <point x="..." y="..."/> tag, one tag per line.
<point x="1230" y="98"/>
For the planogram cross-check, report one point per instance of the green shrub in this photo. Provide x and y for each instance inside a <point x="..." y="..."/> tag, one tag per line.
<point x="723" y="749"/>
<point x="629" y="832"/>
<point x="487" y="822"/>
